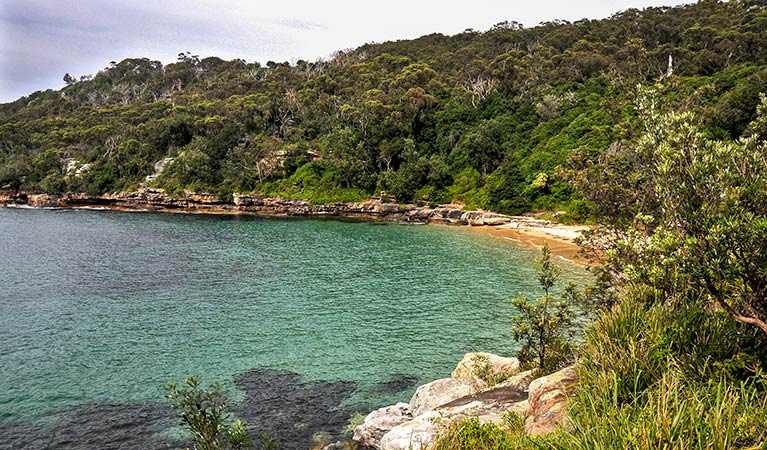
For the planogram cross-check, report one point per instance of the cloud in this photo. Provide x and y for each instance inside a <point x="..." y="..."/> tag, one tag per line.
<point x="40" y="40"/>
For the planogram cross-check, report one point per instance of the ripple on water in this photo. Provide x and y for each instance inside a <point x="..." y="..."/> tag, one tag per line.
<point x="113" y="305"/>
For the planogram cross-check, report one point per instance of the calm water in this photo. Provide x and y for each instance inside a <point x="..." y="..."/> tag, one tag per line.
<point x="100" y="309"/>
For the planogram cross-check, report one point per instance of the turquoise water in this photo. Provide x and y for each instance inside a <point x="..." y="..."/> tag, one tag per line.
<point x="110" y="305"/>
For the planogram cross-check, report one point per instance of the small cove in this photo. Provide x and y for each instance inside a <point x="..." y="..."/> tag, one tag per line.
<point x="103" y="308"/>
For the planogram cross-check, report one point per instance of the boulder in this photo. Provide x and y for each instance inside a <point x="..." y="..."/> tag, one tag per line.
<point x="495" y="220"/>
<point x="437" y="393"/>
<point x="475" y="368"/>
<point x="548" y="402"/>
<point x="416" y="434"/>
<point x="380" y="422"/>
<point x="425" y="429"/>
<point x="519" y="382"/>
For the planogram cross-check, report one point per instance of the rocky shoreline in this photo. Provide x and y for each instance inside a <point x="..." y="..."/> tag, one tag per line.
<point x="152" y="199"/>
<point x="470" y="392"/>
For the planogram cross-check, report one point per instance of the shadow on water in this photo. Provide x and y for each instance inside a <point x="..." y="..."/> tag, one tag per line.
<point x="300" y="414"/>
<point x="296" y="412"/>
<point x="97" y="425"/>
<point x="395" y="384"/>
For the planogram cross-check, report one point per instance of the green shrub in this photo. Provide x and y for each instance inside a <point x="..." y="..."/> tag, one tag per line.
<point x="205" y="413"/>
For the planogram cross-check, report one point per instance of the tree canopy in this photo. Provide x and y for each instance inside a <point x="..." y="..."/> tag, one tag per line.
<point x="491" y="119"/>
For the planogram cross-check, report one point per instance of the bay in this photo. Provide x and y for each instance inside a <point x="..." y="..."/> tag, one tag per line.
<point x="106" y="307"/>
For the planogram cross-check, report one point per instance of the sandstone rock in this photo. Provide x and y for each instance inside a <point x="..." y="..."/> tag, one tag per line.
<point x="548" y="402"/>
<point x="495" y="220"/>
<point x="44" y="201"/>
<point x="520" y="382"/>
<point x="380" y="422"/>
<point x="387" y="208"/>
<point x="474" y="366"/>
<point x="438" y="393"/>
<point x="416" y="434"/>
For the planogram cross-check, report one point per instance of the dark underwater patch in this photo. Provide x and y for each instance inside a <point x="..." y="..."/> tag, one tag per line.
<point x="291" y="409"/>
<point x="95" y="425"/>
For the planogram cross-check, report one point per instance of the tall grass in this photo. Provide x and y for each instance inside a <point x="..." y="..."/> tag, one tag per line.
<point x="638" y="391"/>
<point x="653" y="377"/>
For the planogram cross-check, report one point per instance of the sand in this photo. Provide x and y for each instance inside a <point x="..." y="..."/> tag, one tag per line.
<point x="559" y="237"/>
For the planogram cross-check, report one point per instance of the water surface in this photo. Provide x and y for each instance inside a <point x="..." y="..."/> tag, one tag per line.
<point x="103" y="308"/>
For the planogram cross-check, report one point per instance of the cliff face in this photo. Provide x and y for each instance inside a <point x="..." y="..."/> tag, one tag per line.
<point x="159" y="200"/>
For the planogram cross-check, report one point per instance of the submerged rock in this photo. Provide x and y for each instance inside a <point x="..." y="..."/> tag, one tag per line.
<point x="291" y="409"/>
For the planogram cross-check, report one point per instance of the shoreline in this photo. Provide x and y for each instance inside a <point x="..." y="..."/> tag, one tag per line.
<point x="559" y="237"/>
<point x="521" y="229"/>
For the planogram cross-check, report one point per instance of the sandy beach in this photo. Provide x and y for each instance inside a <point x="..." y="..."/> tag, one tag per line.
<point x="559" y="237"/>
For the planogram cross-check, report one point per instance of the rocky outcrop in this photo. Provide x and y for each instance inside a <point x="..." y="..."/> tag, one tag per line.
<point x="437" y="393"/>
<point x="437" y="405"/>
<point x="44" y="201"/>
<point x="380" y="422"/>
<point x="154" y="199"/>
<point x="548" y="402"/>
<point x="482" y="369"/>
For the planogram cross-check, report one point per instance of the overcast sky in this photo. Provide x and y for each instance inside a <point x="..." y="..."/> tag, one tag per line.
<point x="41" y="40"/>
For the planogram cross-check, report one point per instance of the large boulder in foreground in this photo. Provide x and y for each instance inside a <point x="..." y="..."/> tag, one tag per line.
<point x="478" y="368"/>
<point x="437" y="393"/>
<point x="548" y="402"/>
<point x="380" y="422"/>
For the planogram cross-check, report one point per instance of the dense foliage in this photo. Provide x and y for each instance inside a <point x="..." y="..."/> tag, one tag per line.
<point x="484" y="118"/>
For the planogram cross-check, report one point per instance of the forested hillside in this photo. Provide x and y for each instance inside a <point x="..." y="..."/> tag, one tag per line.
<point x="494" y="119"/>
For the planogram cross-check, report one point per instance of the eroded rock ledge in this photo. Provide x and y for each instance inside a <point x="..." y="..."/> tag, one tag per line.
<point x="158" y="200"/>
<point x="542" y="402"/>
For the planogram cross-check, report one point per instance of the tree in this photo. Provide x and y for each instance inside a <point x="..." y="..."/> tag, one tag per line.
<point x="69" y="79"/>
<point x="713" y="197"/>
<point x="204" y="412"/>
<point x="540" y="324"/>
<point x="705" y="238"/>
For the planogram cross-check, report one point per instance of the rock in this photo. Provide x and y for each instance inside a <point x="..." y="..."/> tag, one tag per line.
<point x="437" y="393"/>
<point x="416" y="434"/>
<point x="380" y="422"/>
<point x="474" y="368"/>
<point x="159" y="167"/>
<point x="548" y="402"/>
<point x="520" y="382"/>
<point x="520" y="408"/>
<point x="495" y="221"/>
<point x="44" y="201"/>
<point x="424" y="429"/>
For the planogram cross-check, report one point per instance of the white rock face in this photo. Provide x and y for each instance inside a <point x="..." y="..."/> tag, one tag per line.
<point x="471" y="366"/>
<point x="416" y="434"/>
<point x="380" y="422"/>
<point x="437" y="393"/>
<point x="441" y="403"/>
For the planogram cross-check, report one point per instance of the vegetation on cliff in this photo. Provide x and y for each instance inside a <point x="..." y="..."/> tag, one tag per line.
<point x="676" y="358"/>
<point x="486" y="118"/>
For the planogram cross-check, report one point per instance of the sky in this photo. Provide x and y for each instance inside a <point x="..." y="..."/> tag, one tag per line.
<point x="41" y="40"/>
